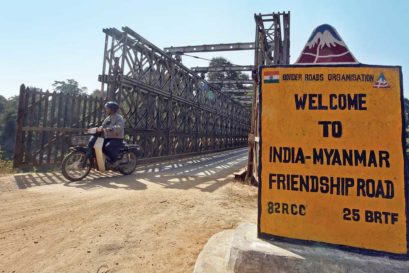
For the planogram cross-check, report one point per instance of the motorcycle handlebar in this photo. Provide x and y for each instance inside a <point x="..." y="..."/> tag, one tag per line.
<point x="91" y="131"/>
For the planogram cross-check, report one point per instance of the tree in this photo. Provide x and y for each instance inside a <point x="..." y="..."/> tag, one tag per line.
<point x="98" y="93"/>
<point x="70" y="87"/>
<point x="8" y="117"/>
<point x="226" y="75"/>
<point x="3" y="104"/>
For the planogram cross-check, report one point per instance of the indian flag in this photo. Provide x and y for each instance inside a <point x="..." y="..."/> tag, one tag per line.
<point x="271" y="76"/>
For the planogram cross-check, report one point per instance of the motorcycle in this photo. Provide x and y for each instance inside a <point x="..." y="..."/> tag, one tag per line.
<point x="78" y="163"/>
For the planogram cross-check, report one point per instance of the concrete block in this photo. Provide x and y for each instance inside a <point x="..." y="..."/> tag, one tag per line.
<point x="240" y="251"/>
<point x="213" y="257"/>
<point x="250" y="254"/>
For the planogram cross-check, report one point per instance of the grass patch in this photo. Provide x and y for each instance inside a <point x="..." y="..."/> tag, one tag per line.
<point x="6" y="166"/>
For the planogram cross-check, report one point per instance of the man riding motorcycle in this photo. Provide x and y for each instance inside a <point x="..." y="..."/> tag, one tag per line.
<point x="113" y="129"/>
<point x="105" y="151"/>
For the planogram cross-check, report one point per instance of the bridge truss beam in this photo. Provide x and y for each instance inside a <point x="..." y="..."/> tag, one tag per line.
<point x="168" y="108"/>
<point x="209" y="48"/>
<point x="223" y="68"/>
<point x="237" y="91"/>
<point x="272" y="46"/>
<point x="231" y="82"/>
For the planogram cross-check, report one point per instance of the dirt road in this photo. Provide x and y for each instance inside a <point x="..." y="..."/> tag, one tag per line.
<point x="156" y="220"/>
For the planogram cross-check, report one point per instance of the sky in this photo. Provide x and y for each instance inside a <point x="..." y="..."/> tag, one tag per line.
<point x="43" y="41"/>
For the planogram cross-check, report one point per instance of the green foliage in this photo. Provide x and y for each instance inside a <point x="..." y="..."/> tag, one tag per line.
<point x="98" y="93"/>
<point x="226" y="75"/>
<point x="70" y="86"/>
<point x="3" y="103"/>
<point x="6" y="166"/>
<point x="8" y="117"/>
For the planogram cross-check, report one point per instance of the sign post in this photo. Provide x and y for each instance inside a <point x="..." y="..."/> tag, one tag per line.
<point x="333" y="166"/>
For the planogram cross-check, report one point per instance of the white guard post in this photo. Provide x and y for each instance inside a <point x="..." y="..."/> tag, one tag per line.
<point x="99" y="144"/>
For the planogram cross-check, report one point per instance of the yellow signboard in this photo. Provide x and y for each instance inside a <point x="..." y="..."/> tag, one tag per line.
<point x="332" y="161"/>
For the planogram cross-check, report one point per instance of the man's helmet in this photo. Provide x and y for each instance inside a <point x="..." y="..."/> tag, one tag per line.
<point x="112" y="105"/>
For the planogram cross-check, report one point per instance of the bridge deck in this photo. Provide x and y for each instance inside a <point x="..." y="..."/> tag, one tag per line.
<point x="156" y="220"/>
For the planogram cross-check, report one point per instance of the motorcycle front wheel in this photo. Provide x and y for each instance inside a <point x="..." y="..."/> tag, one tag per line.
<point x="130" y="165"/>
<point x="73" y="168"/>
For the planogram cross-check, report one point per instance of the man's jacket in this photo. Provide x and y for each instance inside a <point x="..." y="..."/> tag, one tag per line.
<point x="114" y="126"/>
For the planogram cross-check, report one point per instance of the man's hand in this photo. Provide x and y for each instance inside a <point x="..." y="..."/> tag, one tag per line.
<point x="100" y="129"/>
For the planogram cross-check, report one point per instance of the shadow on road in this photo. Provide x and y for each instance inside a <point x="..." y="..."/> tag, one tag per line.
<point x="206" y="173"/>
<point x="28" y="180"/>
<point x="112" y="182"/>
<point x="94" y="180"/>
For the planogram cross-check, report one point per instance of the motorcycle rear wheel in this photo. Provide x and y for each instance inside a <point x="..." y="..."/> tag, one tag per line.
<point x="71" y="166"/>
<point x="130" y="166"/>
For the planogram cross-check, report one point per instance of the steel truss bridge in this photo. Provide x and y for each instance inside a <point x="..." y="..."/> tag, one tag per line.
<point x="169" y="109"/>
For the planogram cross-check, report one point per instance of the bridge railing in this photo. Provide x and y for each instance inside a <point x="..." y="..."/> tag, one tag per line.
<point x="47" y="120"/>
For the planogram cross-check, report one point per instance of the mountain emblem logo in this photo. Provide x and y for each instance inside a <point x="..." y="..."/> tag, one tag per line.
<point x="271" y="76"/>
<point x="381" y="82"/>
<point x="325" y="46"/>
